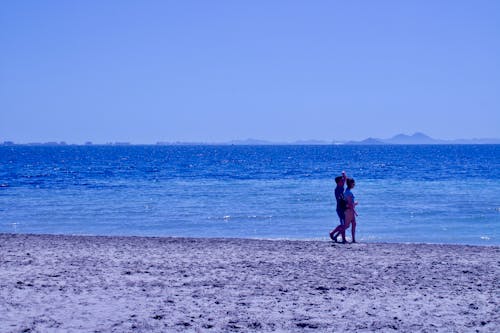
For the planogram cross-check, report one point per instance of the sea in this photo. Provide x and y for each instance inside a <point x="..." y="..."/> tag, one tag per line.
<point x="406" y="193"/>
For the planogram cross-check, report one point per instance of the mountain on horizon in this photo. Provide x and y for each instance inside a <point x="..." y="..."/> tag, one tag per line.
<point x="368" y="141"/>
<point x="420" y="138"/>
<point x="417" y="138"/>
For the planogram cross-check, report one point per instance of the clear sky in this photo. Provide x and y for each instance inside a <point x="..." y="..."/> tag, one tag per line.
<point x="148" y="71"/>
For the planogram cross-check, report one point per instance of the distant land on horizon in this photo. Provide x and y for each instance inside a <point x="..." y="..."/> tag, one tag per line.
<point x="421" y="139"/>
<point x="417" y="138"/>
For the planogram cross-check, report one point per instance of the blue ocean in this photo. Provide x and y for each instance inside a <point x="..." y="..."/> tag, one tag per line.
<point x="414" y="193"/>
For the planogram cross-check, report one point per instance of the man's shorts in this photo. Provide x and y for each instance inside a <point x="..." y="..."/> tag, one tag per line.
<point x="341" y="215"/>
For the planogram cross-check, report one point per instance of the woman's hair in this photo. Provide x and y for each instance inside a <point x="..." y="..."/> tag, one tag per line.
<point x="350" y="182"/>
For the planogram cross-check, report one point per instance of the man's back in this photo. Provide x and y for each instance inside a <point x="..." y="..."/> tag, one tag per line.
<point x="339" y="196"/>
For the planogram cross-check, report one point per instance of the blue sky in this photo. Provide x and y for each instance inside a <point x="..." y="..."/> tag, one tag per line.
<point x="147" y="71"/>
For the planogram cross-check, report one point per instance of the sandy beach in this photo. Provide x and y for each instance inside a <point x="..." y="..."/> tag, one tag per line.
<point x="134" y="284"/>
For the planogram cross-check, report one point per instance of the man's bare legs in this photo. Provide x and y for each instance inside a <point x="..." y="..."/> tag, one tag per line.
<point x="339" y="230"/>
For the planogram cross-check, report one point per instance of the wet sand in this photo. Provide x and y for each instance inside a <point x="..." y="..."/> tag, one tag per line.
<point x="134" y="284"/>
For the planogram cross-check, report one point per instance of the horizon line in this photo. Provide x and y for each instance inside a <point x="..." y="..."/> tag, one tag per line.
<point x="416" y="138"/>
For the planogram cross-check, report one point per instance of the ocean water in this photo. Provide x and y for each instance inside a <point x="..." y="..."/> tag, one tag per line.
<point x="432" y="194"/>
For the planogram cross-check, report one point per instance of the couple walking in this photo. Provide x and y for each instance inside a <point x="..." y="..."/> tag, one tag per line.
<point x="345" y="208"/>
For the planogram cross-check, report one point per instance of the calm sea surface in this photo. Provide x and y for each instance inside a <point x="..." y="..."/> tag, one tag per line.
<point x="436" y="194"/>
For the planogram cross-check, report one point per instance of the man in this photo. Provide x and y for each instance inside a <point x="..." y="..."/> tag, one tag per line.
<point x="341" y="206"/>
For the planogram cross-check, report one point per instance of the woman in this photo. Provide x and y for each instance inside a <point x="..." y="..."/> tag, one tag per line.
<point x="350" y="212"/>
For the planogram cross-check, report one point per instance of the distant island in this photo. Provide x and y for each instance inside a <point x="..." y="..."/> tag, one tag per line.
<point x="420" y="139"/>
<point x="399" y="139"/>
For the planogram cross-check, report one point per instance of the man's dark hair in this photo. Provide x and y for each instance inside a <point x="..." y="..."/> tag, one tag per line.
<point x="338" y="179"/>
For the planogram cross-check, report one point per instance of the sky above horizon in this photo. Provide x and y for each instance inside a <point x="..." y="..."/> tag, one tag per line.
<point x="212" y="71"/>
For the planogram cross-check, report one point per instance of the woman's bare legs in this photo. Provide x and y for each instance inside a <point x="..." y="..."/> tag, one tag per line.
<point x="353" y="230"/>
<point x="349" y="219"/>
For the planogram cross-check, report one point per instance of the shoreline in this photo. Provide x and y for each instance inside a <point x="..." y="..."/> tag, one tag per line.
<point x="143" y="284"/>
<point x="325" y="239"/>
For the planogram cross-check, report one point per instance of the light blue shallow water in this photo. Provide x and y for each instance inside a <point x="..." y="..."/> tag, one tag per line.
<point x="437" y="194"/>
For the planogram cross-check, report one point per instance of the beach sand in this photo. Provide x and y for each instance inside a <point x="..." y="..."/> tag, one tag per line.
<point x="133" y="284"/>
